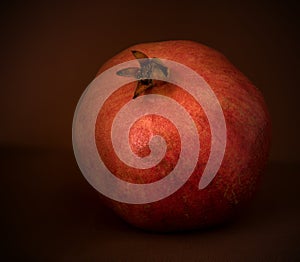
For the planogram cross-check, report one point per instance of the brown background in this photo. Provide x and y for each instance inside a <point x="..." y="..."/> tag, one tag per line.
<point x="50" y="51"/>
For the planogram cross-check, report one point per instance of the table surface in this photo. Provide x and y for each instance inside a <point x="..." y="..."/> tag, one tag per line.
<point x="51" y="213"/>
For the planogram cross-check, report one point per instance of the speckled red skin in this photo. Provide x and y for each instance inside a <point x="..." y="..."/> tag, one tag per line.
<point x="248" y="142"/>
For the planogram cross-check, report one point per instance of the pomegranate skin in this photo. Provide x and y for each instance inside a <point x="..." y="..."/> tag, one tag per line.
<point x="247" y="147"/>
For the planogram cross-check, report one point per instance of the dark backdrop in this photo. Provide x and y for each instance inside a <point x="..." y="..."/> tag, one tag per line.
<point x="50" y="51"/>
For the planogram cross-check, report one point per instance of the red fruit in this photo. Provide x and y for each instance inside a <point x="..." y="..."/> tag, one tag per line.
<point x="247" y="146"/>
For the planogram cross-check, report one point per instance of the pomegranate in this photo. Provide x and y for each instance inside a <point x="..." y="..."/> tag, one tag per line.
<point x="245" y="151"/>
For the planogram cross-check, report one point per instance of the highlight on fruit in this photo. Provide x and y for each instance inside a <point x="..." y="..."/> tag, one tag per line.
<point x="152" y="104"/>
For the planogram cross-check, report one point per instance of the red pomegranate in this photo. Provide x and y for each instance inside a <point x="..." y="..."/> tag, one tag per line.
<point x="247" y="144"/>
